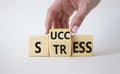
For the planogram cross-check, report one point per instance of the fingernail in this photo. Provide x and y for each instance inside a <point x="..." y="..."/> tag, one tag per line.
<point x="74" y="29"/>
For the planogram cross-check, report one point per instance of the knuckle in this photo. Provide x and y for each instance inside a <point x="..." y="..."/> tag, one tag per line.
<point x="80" y="18"/>
<point x="51" y="11"/>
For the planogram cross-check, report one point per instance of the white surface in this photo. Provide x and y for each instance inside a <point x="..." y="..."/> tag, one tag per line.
<point x="21" y="18"/>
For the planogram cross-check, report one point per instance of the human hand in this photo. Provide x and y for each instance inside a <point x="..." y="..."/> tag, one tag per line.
<point x="59" y="13"/>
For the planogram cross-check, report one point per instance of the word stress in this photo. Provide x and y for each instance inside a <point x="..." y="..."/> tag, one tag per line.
<point x="60" y="43"/>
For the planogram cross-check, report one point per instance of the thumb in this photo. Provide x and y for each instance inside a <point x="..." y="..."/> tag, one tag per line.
<point x="77" y="20"/>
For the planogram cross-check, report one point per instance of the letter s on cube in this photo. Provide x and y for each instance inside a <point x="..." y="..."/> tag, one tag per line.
<point x="38" y="46"/>
<point x="82" y="45"/>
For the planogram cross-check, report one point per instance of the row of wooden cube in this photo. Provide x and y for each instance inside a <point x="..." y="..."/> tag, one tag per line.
<point x="62" y="46"/>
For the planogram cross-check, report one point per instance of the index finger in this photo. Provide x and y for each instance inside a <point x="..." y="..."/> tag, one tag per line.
<point x="52" y="11"/>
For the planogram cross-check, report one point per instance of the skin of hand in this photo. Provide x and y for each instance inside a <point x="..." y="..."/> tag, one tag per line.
<point x="59" y="13"/>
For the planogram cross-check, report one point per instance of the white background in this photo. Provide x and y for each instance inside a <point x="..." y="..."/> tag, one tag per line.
<point x="21" y="18"/>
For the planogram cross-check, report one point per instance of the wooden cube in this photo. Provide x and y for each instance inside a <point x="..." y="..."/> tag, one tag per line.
<point x="60" y="42"/>
<point x="82" y="45"/>
<point x="38" y="46"/>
